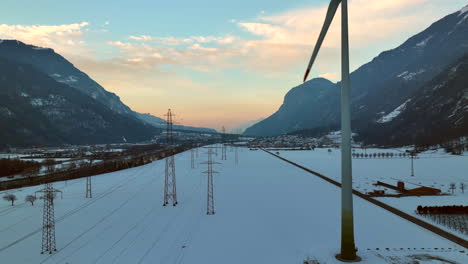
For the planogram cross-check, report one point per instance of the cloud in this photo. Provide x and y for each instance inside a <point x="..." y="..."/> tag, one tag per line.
<point x="287" y="38"/>
<point x="282" y="42"/>
<point x="63" y="38"/>
<point x="174" y="41"/>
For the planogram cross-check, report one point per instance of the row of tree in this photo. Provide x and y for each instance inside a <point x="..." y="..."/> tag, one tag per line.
<point x="10" y="167"/>
<point x="446" y="209"/>
<point x="456" y="222"/>
<point x="382" y="155"/>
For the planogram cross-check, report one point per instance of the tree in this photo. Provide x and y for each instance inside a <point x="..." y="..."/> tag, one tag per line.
<point x="31" y="199"/>
<point x="462" y="187"/>
<point x="50" y="165"/>
<point x="72" y="166"/>
<point x="453" y="187"/>
<point x="10" y="198"/>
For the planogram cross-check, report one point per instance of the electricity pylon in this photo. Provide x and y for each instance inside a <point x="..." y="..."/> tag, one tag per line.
<point x="223" y="144"/>
<point x="413" y="154"/>
<point x="48" y="218"/>
<point x="237" y="155"/>
<point x="348" y="248"/>
<point x="88" y="188"/>
<point x="192" y="158"/>
<point x="170" y="188"/>
<point x="209" y="172"/>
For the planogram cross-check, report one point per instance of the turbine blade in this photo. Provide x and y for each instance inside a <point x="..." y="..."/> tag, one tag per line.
<point x="326" y="24"/>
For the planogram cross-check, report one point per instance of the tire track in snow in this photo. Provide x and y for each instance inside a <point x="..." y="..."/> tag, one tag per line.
<point x="92" y="227"/>
<point x="168" y="225"/>
<point x="69" y="213"/>
<point x="187" y="232"/>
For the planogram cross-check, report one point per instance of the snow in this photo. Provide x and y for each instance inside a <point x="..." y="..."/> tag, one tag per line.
<point x="432" y="168"/>
<point x="335" y="136"/>
<point x="72" y="78"/>
<point x="69" y="79"/>
<point x="407" y="76"/>
<point x="402" y="74"/>
<point x="6" y="112"/>
<point x="267" y="211"/>
<point x="396" y="112"/>
<point x="39" y="48"/>
<point x="463" y="10"/>
<point x="37" y="102"/>
<point x="423" y="43"/>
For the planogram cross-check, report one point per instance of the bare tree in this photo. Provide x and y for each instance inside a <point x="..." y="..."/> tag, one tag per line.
<point x="10" y="198"/>
<point x="453" y="187"/>
<point x="31" y="199"/>
<point x="462" y="187"/>
<point x="72" y="166"/>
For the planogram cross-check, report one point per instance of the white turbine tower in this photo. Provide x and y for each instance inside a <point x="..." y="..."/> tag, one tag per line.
<point x="348" y="249"/>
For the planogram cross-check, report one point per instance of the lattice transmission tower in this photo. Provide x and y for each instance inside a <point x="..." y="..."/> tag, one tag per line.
<point x="223" y="144"/>
<point x="170" y="188"/>
<point x="236" y="154"/>
<point x="192" y="158"/>
<point x="209" y="172"/>
<point x="88" y="188"/>
<point x="48" y="218"/>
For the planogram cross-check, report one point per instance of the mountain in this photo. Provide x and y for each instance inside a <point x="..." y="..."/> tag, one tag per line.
<point x="161" y="123"/>
<point x="292" y="115"/>
<point x="242" y="127"/>
<point x="437" y="112"/>
<point x="60" y="69"/>
<point x="36" y="110"/>
<point x="377" y="87"/>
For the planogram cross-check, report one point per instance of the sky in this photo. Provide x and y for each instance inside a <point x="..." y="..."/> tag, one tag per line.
<point x="214" y="63"/>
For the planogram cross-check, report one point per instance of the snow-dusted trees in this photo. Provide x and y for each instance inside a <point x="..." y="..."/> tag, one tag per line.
<point x="453" y="187"/>
<point x="10" y="198"/>
<point x="31" y="199"/>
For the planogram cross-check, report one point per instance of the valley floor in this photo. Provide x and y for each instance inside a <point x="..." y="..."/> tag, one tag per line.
<point x="435" y="169"/>
<point x="267" y="211"/>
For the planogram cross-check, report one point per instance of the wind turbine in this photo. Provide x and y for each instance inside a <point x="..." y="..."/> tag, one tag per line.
<point x="348" y="249"/>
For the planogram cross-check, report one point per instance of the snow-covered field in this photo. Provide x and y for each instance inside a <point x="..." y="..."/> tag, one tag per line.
<point x="267" y="211"/>
<point x="432" y="168"/>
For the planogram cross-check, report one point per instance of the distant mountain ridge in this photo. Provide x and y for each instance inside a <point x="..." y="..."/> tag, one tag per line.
<point x="36" y="110"/>
<point x="377" y="87"/>
<point x="291" y="115"/>
<point x="60" y="69"/>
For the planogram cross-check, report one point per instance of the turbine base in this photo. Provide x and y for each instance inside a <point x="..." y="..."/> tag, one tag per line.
<point x="338" y="257"/>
